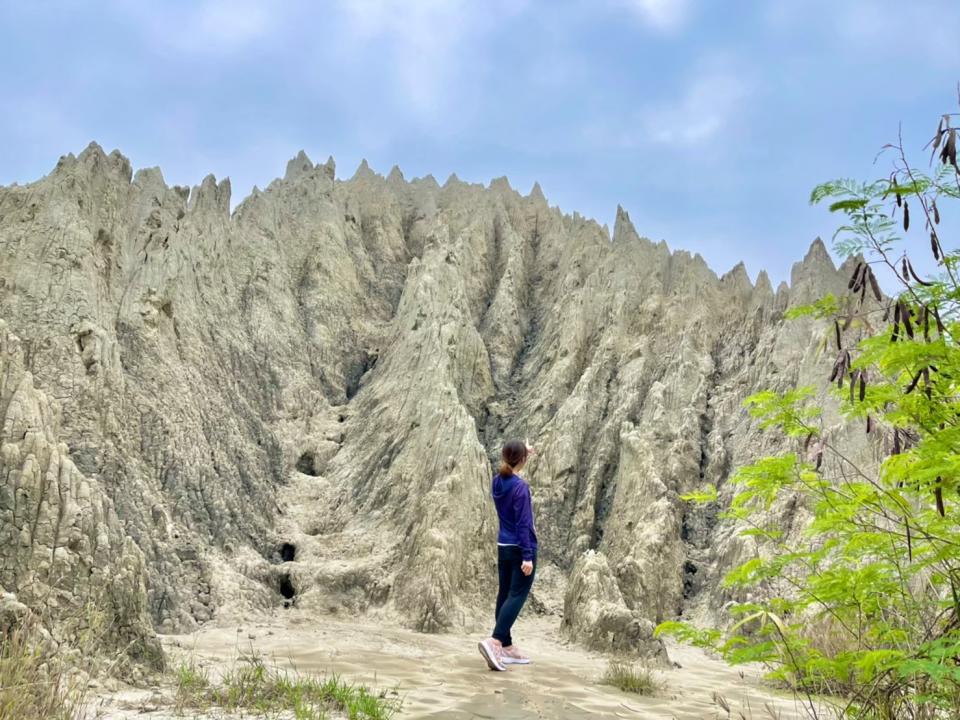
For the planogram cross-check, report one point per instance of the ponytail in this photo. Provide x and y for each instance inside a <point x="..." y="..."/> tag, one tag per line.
<point x="513" y="455"/>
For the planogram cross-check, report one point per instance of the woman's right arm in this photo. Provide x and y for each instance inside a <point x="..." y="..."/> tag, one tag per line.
<point x="523" y="507"/>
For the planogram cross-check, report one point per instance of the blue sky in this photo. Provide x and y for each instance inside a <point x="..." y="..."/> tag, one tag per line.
<point x="709" y="121"/>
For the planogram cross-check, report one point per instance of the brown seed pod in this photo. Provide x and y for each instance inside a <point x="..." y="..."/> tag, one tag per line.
<point x="896" y="442"/>
<point x="935" y="246"/>
<point x="853" y="278"/>
<point x="913" y="273"/>
<point x="926" y="323"/>
<point x="837" y="368"/>
<point x="843" y="363"/>
<point x="936" y="213"/>
<point x="936" y="316"/>
<point x="874" y="285"/>
<point x="949" y="152"/>
<point x="863" y="386"/>
<point x="938" y="497"/>
<point x="926" y="383"/>
<point x="853" y="382"/>
<point x="869" y="424"/>
<point x="836" y="326"/>
<point x="905" y="316"/>
<point x="913" y="383"/>
<point x="906" y="216"/>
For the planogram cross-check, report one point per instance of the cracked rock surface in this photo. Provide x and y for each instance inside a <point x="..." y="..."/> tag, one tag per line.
<point x="298" y="402"/>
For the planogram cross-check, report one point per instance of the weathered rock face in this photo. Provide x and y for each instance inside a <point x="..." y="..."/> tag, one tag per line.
<point x="64" y="549"/>
<point x="596" y="615"/>
<point x="333" y="365"/>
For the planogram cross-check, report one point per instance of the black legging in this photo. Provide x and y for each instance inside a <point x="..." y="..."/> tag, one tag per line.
<point x="514" y="588"/>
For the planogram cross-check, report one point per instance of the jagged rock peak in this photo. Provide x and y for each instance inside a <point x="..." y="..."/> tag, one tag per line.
<point x="363" y="171"/>
<point x="817" y="255"/>
<point x="149" y="178"/>
<point x="737" y="275"/>
<point x="298" y="166"/>
<point x="330" y="167"/>
<point x="501" y="183"/>
<point x="813" y="276"/>
<point x="210" y="196"/>
<point x="396" y="175"/>
<point x="429" y="181"/>
<point x="763" y="285"/>
<point x="622" y="228"/>
<point x="92" y="150"/>
<point x="96" y="160"/>
<point x="536" y="193"/>
<point x="738" y="281"/>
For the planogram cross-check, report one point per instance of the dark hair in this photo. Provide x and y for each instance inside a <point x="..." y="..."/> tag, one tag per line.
<point x="514" y="453"/>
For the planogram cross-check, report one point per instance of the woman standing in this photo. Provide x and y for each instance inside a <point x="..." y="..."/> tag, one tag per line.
<point x="516" y="554"/>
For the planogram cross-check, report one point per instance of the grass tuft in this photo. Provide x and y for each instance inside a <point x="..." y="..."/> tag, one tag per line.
<point x="631" y="678"/>
<point x="35" y="682"/>
<point x="255" y="687"/>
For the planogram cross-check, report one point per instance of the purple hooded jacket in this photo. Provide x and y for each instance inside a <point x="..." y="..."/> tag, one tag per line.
<point x="511" y="495"/>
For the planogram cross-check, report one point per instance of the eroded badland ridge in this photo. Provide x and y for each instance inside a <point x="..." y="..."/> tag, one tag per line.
<point x="205" y="412"/>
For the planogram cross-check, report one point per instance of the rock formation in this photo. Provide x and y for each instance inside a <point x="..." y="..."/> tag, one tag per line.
<point x="298" y="401"/>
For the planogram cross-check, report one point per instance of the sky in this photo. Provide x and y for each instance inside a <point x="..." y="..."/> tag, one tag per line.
<point x="709" y="121"/>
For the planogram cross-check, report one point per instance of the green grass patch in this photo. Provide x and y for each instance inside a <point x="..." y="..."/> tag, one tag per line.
<point x="253" y="686"/>
<point x="630" y="677"/>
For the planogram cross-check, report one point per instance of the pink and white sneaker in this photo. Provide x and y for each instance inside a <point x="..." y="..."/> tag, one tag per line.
<point x="491" y="653"/>
<point x="513" y="656"/>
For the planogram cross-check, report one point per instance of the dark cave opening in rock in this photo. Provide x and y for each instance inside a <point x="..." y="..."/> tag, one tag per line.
<point x="358" y="370"/>
<point x="288" y="552"/>
<point x="287" y="590"/>
<point x="307" y="464"/>
<point x="689" y="581"/>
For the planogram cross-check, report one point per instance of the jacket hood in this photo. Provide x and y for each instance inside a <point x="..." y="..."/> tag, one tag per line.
<point x="503" y="486"/>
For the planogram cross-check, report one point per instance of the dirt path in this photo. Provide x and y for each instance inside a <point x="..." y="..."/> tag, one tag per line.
<point x="443" y="676"/>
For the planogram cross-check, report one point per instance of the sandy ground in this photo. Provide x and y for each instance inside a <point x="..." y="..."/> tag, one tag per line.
<point x="443" y="676"/>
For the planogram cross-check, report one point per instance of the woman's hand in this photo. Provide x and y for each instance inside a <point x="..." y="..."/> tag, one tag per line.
<point x="526" y="567"/>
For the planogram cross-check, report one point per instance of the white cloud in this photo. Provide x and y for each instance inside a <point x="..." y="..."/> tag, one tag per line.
<point x="708" y="106"/>
<point x="662" y="15"/>
<point x="210" y="27"/>
<point x="430" y="44"/>
<point x="421" y="38"/>
<point x="872" y="29"/>
<point x="232" y="24"/>
<point x="711" y="105"/>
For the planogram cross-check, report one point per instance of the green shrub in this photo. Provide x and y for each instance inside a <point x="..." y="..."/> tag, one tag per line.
<point x="631" y="678"/>
<point x="865" y="606"/>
